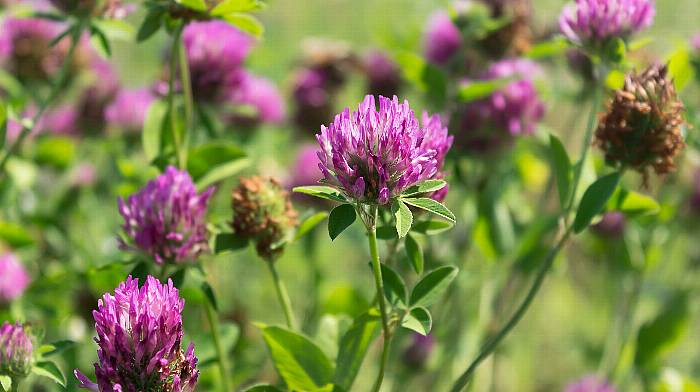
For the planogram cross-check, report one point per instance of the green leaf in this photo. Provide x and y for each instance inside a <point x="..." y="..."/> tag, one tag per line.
<point x="230" y="6"/>
<point x="424" y="187"/>
<point x="5" y="383"/>
<point x="309" y="223"/>
<point x="3" y="122"/>
<point x="414" y="253"/>
<point x="178" y="277"/>
<point x="428" y="290"/>
<point x="394" y="286"/>
<point x="387" y="232"/>
<point x="197" y="5"/>
<point x="633" y="203"/>
<point x="221" y="172"/>
<point x="15" y="235"/>
<point x="54" y="348"/>
<point x="100" y="42"/>
<point x="431" y="206"/>
<point x="551" y="48"/>
<point x="418" y="319"/>
<point x="263" y="388"/>
<point x="659" y="336"/>
<point x="561" y="165"/>
<point x="152" y="129"/>
<point x="431" y="227"/>
<point x="340" y="218"/>
<point x="57" y="151"/>
<point x="245" y="22"/>
<point x="594" y="199"/>
<point x="353" y="348"/>
<point x="680" y="68"/>
<point x="49" y="370"/>
<point x="151" y="23"/>
<point x="203" y="158"/>
<point x="321" y="191"/>
<point x="614" y="50"/>
<point x="403" y="217"/>
<point x="209" y="294"/>
<point x="229" y="242"/>
<point x="475" y="90"/>
<point x="299" y="361"/>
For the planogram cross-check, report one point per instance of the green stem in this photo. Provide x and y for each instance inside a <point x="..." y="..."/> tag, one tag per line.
<point x="187" y="96"/>
<point x="53" y="94"/>
<point x="377" y="269"/>
<point x="282" y="295"/>
<point x="223" y="360"/>
<point x="493" y="343"/>
<point x="174" y="59"/>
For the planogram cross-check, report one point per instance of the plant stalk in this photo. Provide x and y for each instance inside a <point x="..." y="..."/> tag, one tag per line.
<point x="221" y="354"/>
<point x="377" y="269"/>
<point x="174" y="60"/>
<point x="282" y="295"/>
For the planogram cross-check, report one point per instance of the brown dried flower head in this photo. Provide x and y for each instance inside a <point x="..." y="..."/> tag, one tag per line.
<point x="263" y="213"/>
<point x="642" y="128"/>
<point x="513" y="38"/>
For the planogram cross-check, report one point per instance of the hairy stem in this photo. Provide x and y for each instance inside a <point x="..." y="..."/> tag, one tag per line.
<point x="377" y="269"/>
<point x="282" y="295"/>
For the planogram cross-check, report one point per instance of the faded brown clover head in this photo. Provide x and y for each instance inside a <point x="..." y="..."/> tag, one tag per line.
<point x="642" y="128"/>
<point x="263" y="213"/>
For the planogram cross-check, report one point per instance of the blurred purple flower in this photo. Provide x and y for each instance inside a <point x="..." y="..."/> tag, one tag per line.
<point x="589" y="384"/>
<point x="372" y="156"/>
<point x="383" y="74"/>
<point x="84" y="174"/>
<point x="62" y="120"/>
<point x="139" y="334"/>
<point x="15" y="350"/>
<point x="695" y="195"/>
<point x="128" y="110"/>
<point x="14" y="279"/>
<point x="93" y="101"/>
<point x="313" y="96"/>
<point x="305" y="169"/>
<point x="25" y="50"/>
<point x="442" y="38"/>
<point x="695" y="42"/>
<point x="263" y="96"/>
<point x="166" y="219"/>
<point x="417" y="354"/>
<point x="590" y="22"/>
<point x="510" y="111"/>
<point x="612" y="225"/>
<point x="215" y="52"/>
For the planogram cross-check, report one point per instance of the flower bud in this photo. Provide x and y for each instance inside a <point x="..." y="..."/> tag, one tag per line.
<point x="15" y="350"/>
<point x="611" y="226"/>
<point x="642" y="128"/>
<point x="13" y="278"/>
<point x="418" y="353"/>
<point x="263" y="213"/>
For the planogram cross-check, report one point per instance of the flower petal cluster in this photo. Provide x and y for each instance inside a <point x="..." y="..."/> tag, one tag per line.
<point x="591" y="22"/>
<point x="262" y="96"/>
<point x="128" y="109"/>
<point x="589" y="384"/>
<point x="263" y="213"/>
<point x="166" y="219"/>
<point x="139" y="334"/>
<point x="642" y="128"/>
<point x="13" y="278"/>
<point x="373" y="155"/>
<point x="442" y="38"/>
<point x="383" y="74"/>
<point x="215" y="52"/>
<point x="15" y="350"/>
<point x="512" y="110"/>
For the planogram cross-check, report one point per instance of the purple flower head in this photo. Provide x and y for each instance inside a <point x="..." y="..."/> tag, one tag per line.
<point x="591" y="22"/>
<point x="25" y="50"/>
<point x="305" y="169"/>
<point x="510" y="111"/>
<point x="589" y="384"/>
<point x="96" y="97"/>
<point x="373" y="155"/>
<point x="417" y="354"/>
<point x="166" y="219"/>
<point x="139" y="334"/>
<point x="313" y="95"/>
<point x="442" y="38"/>
<point x="63" y="120"/>
<point x="612" y="225"/>
<point x="695" y="42"/>
<point x="262" y="96"/>
<point x="15" y="350"/>
<point x="128" y="110"/>
<point x="14" y="279"/>
<point x="215" y="52"/>
<point x="383" y="74"/>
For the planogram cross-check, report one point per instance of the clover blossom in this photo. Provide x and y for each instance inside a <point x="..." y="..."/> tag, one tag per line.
<point x="373" y="155"/>
<point x="13" y="278"/>
<point x="139" y="334"/>
<point x="15" y="350"/>
<point x="592" y="22"/>
<point x="166" y="219"/>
